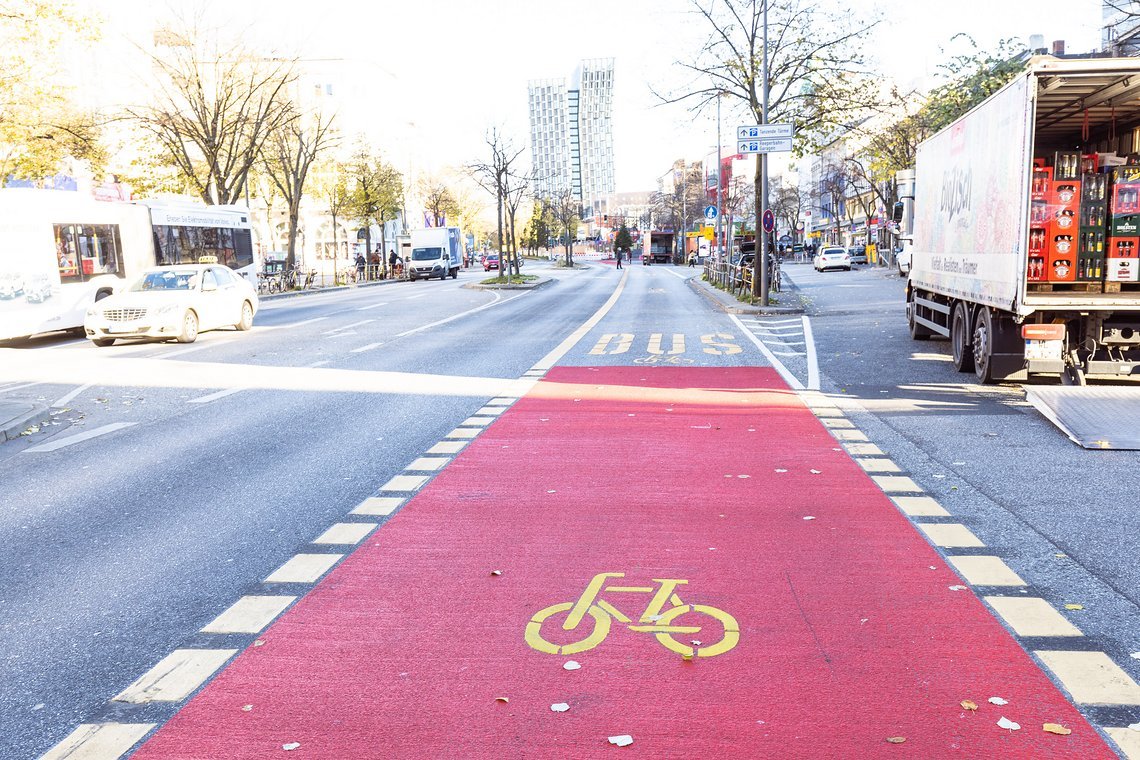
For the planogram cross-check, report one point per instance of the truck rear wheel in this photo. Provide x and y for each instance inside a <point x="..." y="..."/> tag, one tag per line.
<point x="983" y="346"/>
<point x="917" y="331"/>
<point x="961" y="342"/>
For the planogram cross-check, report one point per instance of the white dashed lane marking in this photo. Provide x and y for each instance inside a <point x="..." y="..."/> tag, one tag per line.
<point x="176" y="676"/>
<point x="78" y="438"/>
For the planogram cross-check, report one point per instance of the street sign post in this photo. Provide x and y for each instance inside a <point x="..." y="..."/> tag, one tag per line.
<point x="765" y="145"/>
<point x="710" y="212"/>
<point x="762" y="131"/>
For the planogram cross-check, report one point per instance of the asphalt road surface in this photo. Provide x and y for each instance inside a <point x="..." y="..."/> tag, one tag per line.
<point x="175" y="479"/>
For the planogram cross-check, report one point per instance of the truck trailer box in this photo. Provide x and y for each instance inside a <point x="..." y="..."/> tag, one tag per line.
<point x="997" y="231"/>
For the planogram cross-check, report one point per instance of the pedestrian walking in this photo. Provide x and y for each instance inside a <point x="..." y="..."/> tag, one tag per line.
<point x="392" y="259"/>
<point x="618" y="255"/>
<point x="360" y="263"/>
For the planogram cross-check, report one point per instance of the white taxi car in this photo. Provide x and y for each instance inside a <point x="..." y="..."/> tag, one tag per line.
<point x="173" y="302"/>
<point x="832" y="257"/>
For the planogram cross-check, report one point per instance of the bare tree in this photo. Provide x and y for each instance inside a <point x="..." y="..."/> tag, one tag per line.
<point x="787" y="203"/>
<point x="438" y="199"/>
<point x="493" y="176"/>
<point x="818" y="75"/>
<point x="216" y="104"/>
<point x="516" y="190"/>
<point x="833" y="194"/>
<point x="287" y="157"/>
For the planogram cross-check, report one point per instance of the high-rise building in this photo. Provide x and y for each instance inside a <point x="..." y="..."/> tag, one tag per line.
<point x="571" y="133"/>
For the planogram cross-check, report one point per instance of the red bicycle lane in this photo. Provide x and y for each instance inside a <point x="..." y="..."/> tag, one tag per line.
<point x="421" y="643"/>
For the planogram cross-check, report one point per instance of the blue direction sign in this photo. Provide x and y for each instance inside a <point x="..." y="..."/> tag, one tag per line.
<point x="769" y="220"/>
<point x="710" y="212"/>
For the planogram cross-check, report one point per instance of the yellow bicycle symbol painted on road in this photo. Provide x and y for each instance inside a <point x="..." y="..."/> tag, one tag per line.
<point x="656" y="619"/>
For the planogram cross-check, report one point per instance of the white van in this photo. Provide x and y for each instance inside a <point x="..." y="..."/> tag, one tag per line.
<point x="436" y="252"/>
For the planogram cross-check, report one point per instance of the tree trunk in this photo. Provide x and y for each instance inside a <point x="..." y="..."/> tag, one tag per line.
<point x="499" y="220"/>
<point x="294" y="214"/>
<point x="336" y="250"/>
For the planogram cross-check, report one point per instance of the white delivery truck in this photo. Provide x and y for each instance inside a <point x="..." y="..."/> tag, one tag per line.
<point x="436" y="252"/>
<point x="1027" y="224"/>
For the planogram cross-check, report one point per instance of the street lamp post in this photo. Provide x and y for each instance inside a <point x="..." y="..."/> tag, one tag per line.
<point x="719" y="175"/>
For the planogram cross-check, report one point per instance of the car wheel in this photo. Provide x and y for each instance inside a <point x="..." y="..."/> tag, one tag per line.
<point x="846" y="269"/>
<point x="189" y="332"/>
<point x="246" y="321"/>
<point x="454" y="274"/>
<point x="103" y="342"/>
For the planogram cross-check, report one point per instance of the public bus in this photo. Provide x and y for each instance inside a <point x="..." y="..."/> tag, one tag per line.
<point x="61" y="251"/>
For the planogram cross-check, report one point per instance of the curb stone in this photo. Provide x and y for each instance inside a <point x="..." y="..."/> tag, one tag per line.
<point x="18" y="416"/>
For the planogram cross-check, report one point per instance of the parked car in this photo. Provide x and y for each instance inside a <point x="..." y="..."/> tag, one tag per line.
<point x="490" y="261"/>
<point x="173" y="303"/>
<point x="832" y="257"/>
<point x="902" y="258"/>
<point x="857" y="254"/>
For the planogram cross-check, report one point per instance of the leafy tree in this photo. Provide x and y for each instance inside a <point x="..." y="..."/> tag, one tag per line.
<point x="567" y="214"/>
<point x="215" y="107"/>
<point x="375" y="193"/>
<point x="971" y="77"/>
<point x="287" y="156"/>
<point x="623" y="241"/>
<point x="40" y="126"/>
<point x="331" y="182"/>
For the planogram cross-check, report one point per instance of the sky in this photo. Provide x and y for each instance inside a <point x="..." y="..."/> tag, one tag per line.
<point x="436" y="75"/>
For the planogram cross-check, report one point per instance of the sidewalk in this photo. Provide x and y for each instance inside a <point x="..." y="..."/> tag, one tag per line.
<point x="683" y="557"/>
<point x="787" y="301"/>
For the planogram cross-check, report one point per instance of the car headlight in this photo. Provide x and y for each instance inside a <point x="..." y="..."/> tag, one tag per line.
<point x="92" y="311"/>
<point x="167" y="308"/>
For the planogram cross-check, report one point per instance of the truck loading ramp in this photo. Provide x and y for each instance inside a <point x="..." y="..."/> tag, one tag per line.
<point x="1094" y="417"/>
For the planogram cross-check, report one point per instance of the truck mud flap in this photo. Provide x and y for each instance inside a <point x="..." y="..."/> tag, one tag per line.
<point x="1093" y="417"/>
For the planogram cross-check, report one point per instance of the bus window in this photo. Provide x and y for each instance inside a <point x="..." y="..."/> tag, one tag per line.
<point x="67" y="254"/>
<point x="84" y="251"/>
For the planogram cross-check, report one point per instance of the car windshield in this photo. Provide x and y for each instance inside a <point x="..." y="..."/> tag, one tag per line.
<point x="833" y="251"/>
<point x="167" y="279"/>
<point x="426" y="254"/>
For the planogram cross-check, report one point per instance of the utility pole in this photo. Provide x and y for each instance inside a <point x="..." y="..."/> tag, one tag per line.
<point x="762" y="236"/>
<point x="684" y="211"/>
